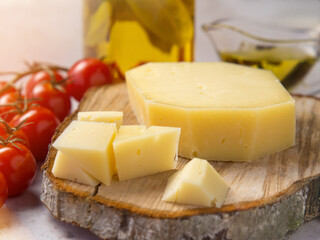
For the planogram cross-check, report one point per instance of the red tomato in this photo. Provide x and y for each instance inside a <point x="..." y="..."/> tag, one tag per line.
<point x="18" y="167"/>
<point x="7" y="105"/>
<point x="52" y="97"/>
<point x="6" y="131"/>
<point x="86" y="73"/>
<point x="39" y="77"/>
<point x="40" y="128"/>
<point x="10" y="89"/>
<point x="3" y="189"/>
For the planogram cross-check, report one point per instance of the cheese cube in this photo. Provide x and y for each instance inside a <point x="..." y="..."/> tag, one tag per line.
<point x="226" y="112"/>
<point x="68" y="168"/>
<point x="90" y="144"/>
<point x="102" y="116"/>
<point x="197" y="183"/>
<point x="141" y="151"/>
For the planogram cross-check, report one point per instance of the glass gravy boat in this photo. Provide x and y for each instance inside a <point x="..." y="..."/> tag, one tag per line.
<point x="288" y="52"/>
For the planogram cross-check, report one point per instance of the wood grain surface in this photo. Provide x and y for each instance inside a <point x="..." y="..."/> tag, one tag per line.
<point x="266" y="181"/>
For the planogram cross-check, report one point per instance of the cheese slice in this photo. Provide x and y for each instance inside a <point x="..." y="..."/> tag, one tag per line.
<point x="141" y="151"/>
<point x="197" y="183"/>
<point x="90" y="143"/>
<point x="68" y="168"/>
<point x="102" y="116"/>
<point x="226" y="112"/>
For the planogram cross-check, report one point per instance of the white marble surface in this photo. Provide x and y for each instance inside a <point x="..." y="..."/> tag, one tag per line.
<point x="51" y="31"/>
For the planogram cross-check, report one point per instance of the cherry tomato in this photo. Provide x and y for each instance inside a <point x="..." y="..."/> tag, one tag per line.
<point x="3" y="189"/>
<point x="39" y="77"/>
<point x="52" y="97"/>
<point x="18" y="167"/>
<point x="9" y="102"/>
<point x="41" y="124"/>
<point x="6" y="131"/>
<point x="86" y="73"/>
<point x="10" y="89"/>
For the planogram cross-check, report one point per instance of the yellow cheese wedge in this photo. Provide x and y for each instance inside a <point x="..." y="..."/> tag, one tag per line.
<point x="197" y="183"/>
<point x="90" y="143"/>
<point x="102" y="116"/>
<point x="141" y="151"/>
<point x="68" y="168"/>
<point x="226" y="112"/>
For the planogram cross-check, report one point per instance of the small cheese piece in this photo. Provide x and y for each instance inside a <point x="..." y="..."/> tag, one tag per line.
<point x="68" y="168"/>
<point x="102" y="116"/>
<point x="141" y="151"/>
<point x="90" y="143"/>
<point x="197" y="183"/>
<point x="226" y="112"/>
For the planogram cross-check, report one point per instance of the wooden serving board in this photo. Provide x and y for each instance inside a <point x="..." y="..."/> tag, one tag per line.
<point x="267" y="199"/>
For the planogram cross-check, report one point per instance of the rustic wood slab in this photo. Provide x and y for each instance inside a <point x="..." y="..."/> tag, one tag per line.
<point x="267" y="199"/>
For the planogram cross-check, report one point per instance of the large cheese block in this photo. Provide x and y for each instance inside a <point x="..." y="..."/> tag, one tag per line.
<point x="226" y="112"/>
<point x="141" y="151"/>
<point x="90" y="144"/>
<point x="197" y="183"/>
<point x="68" y="168"/>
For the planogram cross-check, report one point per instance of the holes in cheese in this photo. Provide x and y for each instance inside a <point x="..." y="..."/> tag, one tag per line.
<point x="102" y="116"/>
<point x="197" y="183"/>
<point x="90" y="143"/>
<point x="226" y="112"/>
<point x="141" y="151"/>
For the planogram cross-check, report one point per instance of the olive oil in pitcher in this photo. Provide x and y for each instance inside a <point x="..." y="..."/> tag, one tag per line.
<point x="290" y="53"/>
<point x="290" y="65"/>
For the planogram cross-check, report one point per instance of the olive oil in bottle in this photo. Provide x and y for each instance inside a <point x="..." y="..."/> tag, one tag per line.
<point x="128" y="33"/>
<point x="290" y="65"/>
